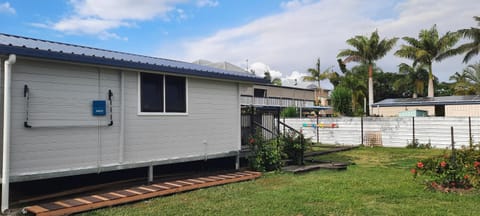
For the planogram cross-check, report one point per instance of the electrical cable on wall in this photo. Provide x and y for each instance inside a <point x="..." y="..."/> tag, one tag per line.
<point x="26" y="95"/>
<point x="110" y="95"/>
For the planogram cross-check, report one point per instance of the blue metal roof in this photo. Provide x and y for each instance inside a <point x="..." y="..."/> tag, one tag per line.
<point x="426" y="101"/>
<point x="36" y="48"/>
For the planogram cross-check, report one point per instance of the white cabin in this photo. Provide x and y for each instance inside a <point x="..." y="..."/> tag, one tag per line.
<point x="74" y="110"/>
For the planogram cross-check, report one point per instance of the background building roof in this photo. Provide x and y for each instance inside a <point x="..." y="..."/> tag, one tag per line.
<point x="444" y="100"/>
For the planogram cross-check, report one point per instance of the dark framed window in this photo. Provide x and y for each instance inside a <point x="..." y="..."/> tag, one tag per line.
<point x="259" y="92"/>
<point x="162" y="93"/>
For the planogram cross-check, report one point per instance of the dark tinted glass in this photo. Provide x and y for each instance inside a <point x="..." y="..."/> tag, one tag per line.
<point x="175" y="93"/>
<point x="151" y="92"/>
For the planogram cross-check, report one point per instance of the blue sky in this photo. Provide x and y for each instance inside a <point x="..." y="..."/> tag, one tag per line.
<point x="283" y="36"/>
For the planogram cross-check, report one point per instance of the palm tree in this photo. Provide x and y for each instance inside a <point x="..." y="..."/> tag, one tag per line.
<point x="316" y="76"/>
<point x="428" y="48"/>
<point x="462" y="85"/>
<point x="414" y="78"/>
<point x="367" y="51"/>
<point x="472" y="48"/>
<point x="472" y="73"/>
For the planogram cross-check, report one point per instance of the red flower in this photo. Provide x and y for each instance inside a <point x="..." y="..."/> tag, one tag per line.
<point x="420" y="165"/>
<point x="476" y="164"/>
<point x="465" y="177"/>
<point x="443" y="164"/>
<point x="413" y="171"/>
<point x="251" y="141"/>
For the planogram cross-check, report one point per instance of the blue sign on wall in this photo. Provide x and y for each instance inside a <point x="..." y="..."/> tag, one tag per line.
<point x="99" y="107"/>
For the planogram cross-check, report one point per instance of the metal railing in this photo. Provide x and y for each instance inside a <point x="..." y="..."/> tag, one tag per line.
<point x="275" y="101"/>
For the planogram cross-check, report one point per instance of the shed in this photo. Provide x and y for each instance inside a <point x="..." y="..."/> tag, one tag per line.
<point x="70" y="110"/>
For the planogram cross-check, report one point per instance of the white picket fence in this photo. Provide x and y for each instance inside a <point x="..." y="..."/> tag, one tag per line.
<point x="394" y="131"/>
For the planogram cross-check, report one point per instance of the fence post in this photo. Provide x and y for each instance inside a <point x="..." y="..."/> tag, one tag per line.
<point x="470" y="131"/>
<point x="453" y="145"/>
<point x="316" y="126"/>
<point x="361" y="127"/>
<point x="413" y="131"/>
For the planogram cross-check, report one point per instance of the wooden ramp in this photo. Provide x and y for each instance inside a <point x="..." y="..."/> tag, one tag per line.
<point x="85" y="203"/>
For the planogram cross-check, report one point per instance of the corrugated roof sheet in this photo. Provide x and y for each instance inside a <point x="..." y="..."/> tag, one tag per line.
<point x="36" y="48"/>
<point x="444" y="100"/>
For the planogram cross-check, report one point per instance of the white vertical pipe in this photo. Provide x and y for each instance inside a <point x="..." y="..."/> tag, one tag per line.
<point x="150" y="173"/>
<point x="122" y="119"/>
<point x="6" y="132"/>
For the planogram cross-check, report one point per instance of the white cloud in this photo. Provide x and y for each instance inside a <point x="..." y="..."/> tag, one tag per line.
<point x="6" y="8"/>
<point x="99" y="18"/>
<point x="207" y="3"/>
<point x="293" y="39"/>
<point x="124" y="9"/>
<point x="293" y="4"/>
<point x="260" y="68"/>
<point x="89" y="26"/>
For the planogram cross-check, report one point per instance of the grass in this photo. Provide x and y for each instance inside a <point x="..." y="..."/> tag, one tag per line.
<point x="378" y="184"/>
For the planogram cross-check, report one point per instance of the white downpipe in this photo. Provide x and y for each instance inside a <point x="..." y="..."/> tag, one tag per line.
<point x="6" y="131"/>
<point x="121" y="146"/>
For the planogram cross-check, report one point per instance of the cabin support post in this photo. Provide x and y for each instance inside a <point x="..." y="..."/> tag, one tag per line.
<point x="150" y="173"/>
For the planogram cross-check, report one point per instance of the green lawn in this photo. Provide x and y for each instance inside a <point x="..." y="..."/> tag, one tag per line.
<point x="379" y="183"/>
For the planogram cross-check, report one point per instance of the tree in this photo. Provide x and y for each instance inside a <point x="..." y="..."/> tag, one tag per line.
<point x="414" y="79"/>
<point x="341" y="100"/>
<point x="367" y="51"/>
<point x="470" y="48"/>
<point x="461" y="85"/>
<point x="472" y="73"/>
<point x="275" y="81"/>
<point x="267" y="76"/>
<point x="316" y="76"/>
<point x="428" y="48"/>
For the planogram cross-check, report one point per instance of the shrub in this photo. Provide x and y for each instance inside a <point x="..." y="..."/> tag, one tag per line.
<point x="460" y="169"/>
<point x="266" y="155"/>
<point x="416" y="144"/>
<point x="294" y="147"/>
<point x="289" y="112"/>
<point x="342" y="100"/>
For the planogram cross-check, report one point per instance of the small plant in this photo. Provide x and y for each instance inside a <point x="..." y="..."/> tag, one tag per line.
<point x="294" y="146"/>
<point x="460" y="169"/>
<point x="289" y="112"/>
<point x="266" y="154"/>
<point x="416" y="144"/>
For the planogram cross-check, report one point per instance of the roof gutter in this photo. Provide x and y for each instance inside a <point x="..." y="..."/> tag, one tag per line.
<point x="6" y="131"/>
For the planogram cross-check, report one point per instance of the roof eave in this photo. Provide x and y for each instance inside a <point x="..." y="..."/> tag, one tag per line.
<point x="97" y="60"/>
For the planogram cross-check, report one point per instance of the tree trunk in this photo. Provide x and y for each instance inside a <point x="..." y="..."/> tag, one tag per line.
<point x="430" y="82"/>
<point x="370" y="88"/>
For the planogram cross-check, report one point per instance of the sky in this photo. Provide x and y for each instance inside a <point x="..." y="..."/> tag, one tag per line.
<point x="282" y="36"/>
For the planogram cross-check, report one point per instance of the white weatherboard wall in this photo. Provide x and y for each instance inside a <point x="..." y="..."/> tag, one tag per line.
<point x="395" y="131"/>
<point x="66" y="138"/>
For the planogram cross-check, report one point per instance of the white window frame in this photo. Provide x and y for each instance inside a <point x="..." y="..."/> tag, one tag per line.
<point x="164" y="113"/>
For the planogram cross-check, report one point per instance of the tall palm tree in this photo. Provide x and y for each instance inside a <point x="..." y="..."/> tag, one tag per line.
<point x="367" y="51"/>
<point x="414" y="78"/>
<point x="428" y="48"/>
<point x="471" y="48"/>
<point x="316" y="76"/>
